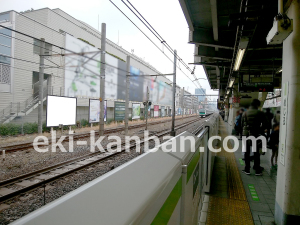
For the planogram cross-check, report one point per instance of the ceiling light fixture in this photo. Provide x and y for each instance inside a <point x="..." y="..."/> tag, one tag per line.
<point x="238" y="59"/>
<point x="231" y="82"/>
<point x="239" y="56"/>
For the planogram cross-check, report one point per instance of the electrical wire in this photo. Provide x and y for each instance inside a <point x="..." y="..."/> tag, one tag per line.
<point x="156" y="34"/>
<point x="147" y="37"/>
<point x="62" y="48"/>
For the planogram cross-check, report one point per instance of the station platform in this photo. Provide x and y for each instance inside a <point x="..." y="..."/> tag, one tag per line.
<point x="237" y="198"/>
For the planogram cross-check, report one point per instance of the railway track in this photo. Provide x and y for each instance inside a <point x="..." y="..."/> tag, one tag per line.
<point x="27" y="145"/>
<point x="40" y="178"/>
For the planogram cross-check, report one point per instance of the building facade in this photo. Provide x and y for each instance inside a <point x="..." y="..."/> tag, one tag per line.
<point x="20" y="61"/>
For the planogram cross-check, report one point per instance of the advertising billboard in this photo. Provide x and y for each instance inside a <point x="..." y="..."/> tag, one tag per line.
<point x="159" y="91"/>
<point x="149" y="111"/>
<point x="179" y="111"/>
<point x="136" y="85"/>
<point x="82" y="71"/>
<point x="82" y="76"/>
<point x="111" y="77"/>
<point x="136" y="111"/>
<point x="156" y="109"/>
<point x="119" y="111"/>
<point x="60" y="110"/>
<point x="94" y="111"/>
<point x="162" y="111"/>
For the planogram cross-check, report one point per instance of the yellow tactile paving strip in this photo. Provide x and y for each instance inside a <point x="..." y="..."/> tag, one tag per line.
<point x="234" y="209"/>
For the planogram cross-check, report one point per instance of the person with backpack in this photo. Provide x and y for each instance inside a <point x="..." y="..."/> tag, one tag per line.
<point x="254" y="124"/>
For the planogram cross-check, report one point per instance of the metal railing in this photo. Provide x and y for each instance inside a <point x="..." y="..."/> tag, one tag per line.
<point x="14" y="108"/>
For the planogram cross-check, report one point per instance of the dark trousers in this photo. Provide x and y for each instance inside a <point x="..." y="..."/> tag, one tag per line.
<point x="268" y="133"/>
<point x="248" y="158"/>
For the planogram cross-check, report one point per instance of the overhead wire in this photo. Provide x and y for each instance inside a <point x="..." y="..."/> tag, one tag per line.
<point x="60" y="47"/>
<point x="146" y="36"/>
<point x="162" y="39"/>
<point x="156" y="34"/>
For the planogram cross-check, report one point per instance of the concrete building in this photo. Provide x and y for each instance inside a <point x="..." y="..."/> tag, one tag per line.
<point x="19" y="61"/>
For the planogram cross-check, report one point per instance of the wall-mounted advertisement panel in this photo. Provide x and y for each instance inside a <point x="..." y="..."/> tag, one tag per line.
<point x="136" y="111"/>
<point x="156" y="109"/>
<point x="179" y="111"/>
<point x="94" y="110"/>
<point x="162" y="111"/>
<point x="136" y="85"/>
<point x="60" y="110"/>
<point x="111" y="77"/>
<point x="119" y="111"/>
<point x="82" y="63"/>
<point x="82" y="71"/>
<point x="149" y="111"/>
<point x="168" y="111"/>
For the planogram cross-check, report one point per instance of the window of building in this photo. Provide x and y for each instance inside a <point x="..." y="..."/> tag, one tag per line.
<point x="36" y="47"/>
<point x="5" y="45"/>
<point x="4" y="17"/>
<point x="5" y="54"/>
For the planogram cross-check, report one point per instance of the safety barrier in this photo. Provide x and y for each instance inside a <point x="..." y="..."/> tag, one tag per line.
<point x="155" y="188"/>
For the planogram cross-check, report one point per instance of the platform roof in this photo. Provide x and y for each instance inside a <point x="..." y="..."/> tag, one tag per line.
<point x="219" y="27"/>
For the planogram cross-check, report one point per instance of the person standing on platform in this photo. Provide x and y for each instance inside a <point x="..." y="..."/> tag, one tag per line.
<point x="254" y="124"/>
<point x="236" y="123"/>
<point x="240" y="123"/>
<point x="273" y="143"/>
<point x="276" y="118"/>
<point x="269" y="116"/>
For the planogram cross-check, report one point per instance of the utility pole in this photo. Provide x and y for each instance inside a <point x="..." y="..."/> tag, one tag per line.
<point x="173" y="96"/>
<point x="182" y="103"/>
<point x="41" y="86"/>
<point x="127" y="94"/>
<point x="147" y="105"/>
<point x="102" y="79"/>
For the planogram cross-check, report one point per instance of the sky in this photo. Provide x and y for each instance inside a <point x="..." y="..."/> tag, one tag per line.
<point x="165" y="16"/>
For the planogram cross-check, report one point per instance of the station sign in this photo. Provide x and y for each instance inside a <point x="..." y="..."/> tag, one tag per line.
<point x="256" y="87"/>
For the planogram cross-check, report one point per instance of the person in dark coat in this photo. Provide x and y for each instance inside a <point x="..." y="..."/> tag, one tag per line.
<point x="269" y="116"/>
<point x="273" y="143"/>
<point x="254" y="121"/>
<point x="240" y="123"/>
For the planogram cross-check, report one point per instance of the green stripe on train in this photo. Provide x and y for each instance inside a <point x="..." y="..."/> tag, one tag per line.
<point x="166" y="211"/>
<point x="192" y="165"/>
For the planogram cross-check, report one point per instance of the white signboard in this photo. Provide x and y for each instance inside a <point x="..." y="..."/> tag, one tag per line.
<point x="94" y="111"/>
<point x="136" y="111"/>
<point x="283" y="122"/>
<point x="61" y="110"/>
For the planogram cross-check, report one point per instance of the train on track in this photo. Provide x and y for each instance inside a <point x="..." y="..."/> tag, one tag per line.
<point x="202" y="113"/>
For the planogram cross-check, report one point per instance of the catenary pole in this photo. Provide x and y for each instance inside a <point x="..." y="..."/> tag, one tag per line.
<point x="173" y="96"/>
<point x="102" y="79"/>
<point x="147" y="105"/>
<point x="127" y="94"/>
<point x="182" y="103"/>
<point x="41" y="86"/>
